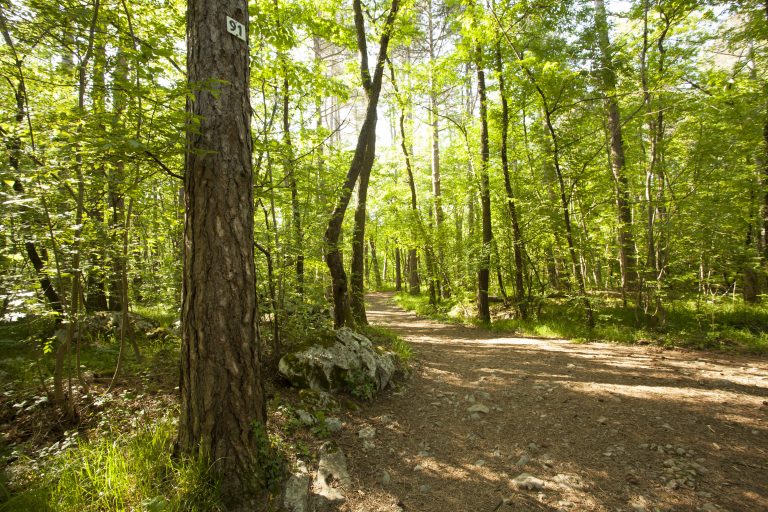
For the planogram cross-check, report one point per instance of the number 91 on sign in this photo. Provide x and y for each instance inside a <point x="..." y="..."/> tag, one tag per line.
<point x="236" y="28"/>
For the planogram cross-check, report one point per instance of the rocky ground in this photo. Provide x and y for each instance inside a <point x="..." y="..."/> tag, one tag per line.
<point x="489" y="422"/>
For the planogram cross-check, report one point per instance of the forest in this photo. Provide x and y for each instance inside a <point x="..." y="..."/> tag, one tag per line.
<point x="197" y="193"/>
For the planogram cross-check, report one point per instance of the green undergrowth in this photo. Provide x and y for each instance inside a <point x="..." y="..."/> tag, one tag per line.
<point x="127" y="472"/>
<point x="712" y="325"/>
<point x="388" y="340"/>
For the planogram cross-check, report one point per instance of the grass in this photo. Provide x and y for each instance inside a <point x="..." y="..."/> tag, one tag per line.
<point x="134" y="472"/>
<point x="713" y="325"/>
<point x="389" y="340"/>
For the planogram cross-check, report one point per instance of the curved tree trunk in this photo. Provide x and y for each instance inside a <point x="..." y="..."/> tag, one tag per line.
<point x="361" y="164"/>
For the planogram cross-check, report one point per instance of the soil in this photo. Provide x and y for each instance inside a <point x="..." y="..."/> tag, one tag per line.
<point x="593" y="427"/>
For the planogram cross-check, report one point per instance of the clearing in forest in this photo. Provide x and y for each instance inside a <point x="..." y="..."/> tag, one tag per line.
<point x="490" y="422"/>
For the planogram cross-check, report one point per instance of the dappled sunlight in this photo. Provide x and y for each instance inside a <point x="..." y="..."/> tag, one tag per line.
<point x="595" y="424"/>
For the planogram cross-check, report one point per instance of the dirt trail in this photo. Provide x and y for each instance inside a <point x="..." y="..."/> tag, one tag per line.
<point x="597" y="427"/>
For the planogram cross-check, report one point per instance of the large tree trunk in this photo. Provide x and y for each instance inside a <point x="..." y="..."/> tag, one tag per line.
<point x="627" y="256"/>
<point x="361" y="164"/>
<point x="222" y="400"/>
<point x="484" y="259"/>
<point x="517" y="237"/>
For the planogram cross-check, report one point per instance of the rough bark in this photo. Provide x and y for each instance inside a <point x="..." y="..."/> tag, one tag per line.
<point x="222" y="400"/>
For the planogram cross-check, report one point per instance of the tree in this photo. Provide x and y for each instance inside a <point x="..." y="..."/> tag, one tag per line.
<point x="607" y="74"/>
<point x="222" y="400"/>
<point x="361" y="164"/>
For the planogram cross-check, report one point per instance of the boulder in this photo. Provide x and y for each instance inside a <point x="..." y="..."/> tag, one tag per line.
<point x="296" y="497"/>
<point x="349" y="362"/>
<point x="332" y="478"/>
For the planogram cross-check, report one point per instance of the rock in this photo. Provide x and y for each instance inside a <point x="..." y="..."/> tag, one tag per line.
<point x="524" y="481"/>
<point x="348" y="362"/>
<point x="332" y="468"/>
<point x="480" y="463"/>
<point x="425" y="488"/>
<point x="333" y="424"/>
<point x="305" y="417"/>
<point x="366" y="433"/>
<point x="479" y="408"/>
<point x="522" y="461"/>
<point x="296" y="497"/>
<point x="385" y="479"/>
<point x="602" y="420"/>
<point x="709" y="507"/>
<point x="569" y="481"/>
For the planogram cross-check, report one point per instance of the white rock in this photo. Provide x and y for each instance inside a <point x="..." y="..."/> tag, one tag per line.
<point x="332" y="468"/>
<point x="296" y="498"/>
<point x="305" y="417"/>
<point x="528" y="482"/>
<point x="367" y="432"/>
<point x="333" y="424"/>
<point x="479" y="408"/>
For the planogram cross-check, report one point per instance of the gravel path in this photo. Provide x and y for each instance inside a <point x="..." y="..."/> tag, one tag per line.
<point x="490" y="422"/>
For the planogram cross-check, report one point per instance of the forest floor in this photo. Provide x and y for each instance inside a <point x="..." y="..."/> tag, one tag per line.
<point x="489" y="422"/>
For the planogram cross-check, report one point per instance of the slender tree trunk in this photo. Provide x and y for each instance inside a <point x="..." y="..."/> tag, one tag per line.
<point x="517" y="236"/>
<point x="361" y="164"/>
<point x="222" y="398"/>
<point x="398" y="271"/>
<point x="655" y="179"/>
<point x="116" y="176"/>
<point x="436" y="178"/>
<point x="627" y="256"/>
<point x="13" y="146"/>
<point x="375" y="265"/>
<point x="567" y="221"/>
<point x="563" y="196"/>
<point x="290" y="170"/>
<point x="484" y="260"/>
<point x="413" y="266"/>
